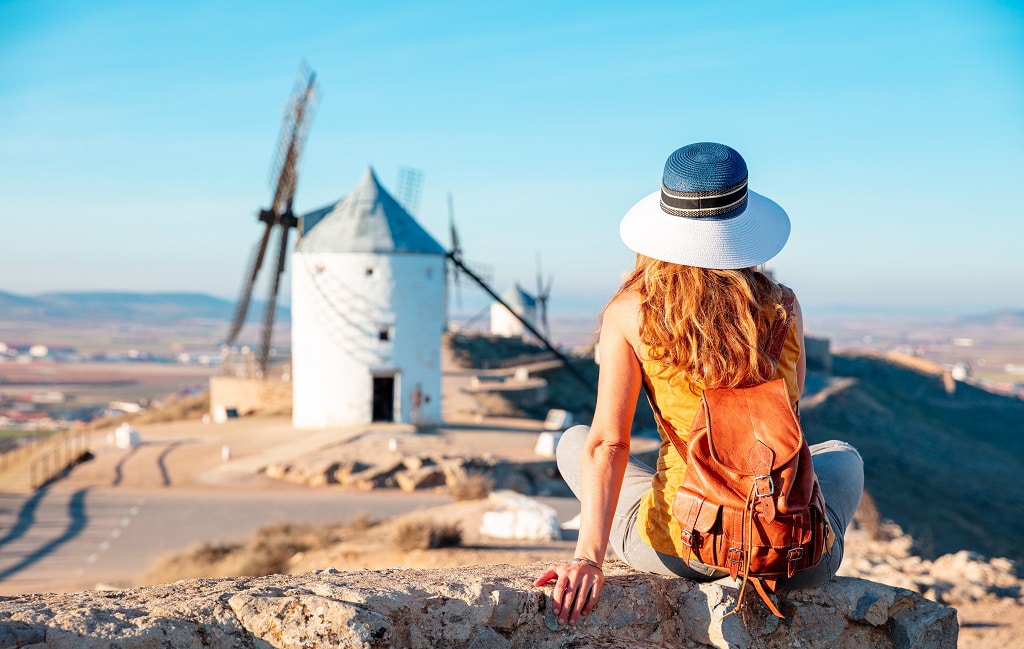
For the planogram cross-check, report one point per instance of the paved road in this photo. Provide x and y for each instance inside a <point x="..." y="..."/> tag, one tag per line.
<point x="111" y="518"/>
<point x="70" y="539"/>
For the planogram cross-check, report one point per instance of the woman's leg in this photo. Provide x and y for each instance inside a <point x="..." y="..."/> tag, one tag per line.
<point x="840" y="472"/>
<point x="624" y="539"/>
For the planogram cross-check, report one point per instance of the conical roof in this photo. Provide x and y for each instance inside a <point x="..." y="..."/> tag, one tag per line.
<point x="517" y="298"/>
<point x="367" y="220"/>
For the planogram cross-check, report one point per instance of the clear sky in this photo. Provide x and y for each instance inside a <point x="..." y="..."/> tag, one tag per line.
<point x="136" y="138"/>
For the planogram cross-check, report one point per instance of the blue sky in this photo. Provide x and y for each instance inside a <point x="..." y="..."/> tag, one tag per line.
<point x="136" y="138"/>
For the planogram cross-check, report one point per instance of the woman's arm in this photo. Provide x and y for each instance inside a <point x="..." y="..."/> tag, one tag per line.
<point x="605" y="455"/>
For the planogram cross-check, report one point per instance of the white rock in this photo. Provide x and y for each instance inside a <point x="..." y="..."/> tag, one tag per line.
<point x="546" y="444"/>
<point x="126" y="437"/>
<point x="519" y="517"/>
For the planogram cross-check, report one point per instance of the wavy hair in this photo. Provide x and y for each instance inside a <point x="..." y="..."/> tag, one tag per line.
<point x="706" y="324"/>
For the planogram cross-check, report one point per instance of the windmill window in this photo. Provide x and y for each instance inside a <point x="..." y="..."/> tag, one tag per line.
<point x="386" y="333"/>
<point x="369" y="271"/>
<point x="430" y="272"/>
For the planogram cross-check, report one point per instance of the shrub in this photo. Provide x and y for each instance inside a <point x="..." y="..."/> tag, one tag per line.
<point x="426" y="535"/>
<point x="469" y="485"/>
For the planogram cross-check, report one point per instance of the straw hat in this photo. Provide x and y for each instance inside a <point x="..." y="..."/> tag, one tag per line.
<point x="704" y="215"/>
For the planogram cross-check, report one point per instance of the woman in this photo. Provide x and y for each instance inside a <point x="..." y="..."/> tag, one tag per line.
<point x="695" y="313"/>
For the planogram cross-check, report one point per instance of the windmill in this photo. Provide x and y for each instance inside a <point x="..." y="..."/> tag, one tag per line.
<point x="543" y="293"/>
<point x="279" y="215"/>
<point x="459" y="265"/>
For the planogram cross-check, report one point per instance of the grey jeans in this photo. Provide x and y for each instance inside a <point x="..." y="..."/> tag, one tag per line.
<point x="840" y="472"/>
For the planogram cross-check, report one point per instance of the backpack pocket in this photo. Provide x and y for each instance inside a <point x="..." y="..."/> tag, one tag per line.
<point x="700" y="520"/>
<point x="725" y="537"/>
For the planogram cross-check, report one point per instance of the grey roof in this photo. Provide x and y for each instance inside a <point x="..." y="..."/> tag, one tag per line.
<point x="517" y="298"/>
<point x="367" y="220"/>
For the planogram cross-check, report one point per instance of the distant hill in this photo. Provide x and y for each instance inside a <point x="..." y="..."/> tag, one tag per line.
<point x="123" y="307"/>
<point x="1003" y="318"/>
<point x="16" y="307"/>
<point x="946" y="467"/>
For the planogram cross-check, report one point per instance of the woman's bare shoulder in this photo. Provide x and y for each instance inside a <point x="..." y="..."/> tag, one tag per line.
<point x="622" y="315"/>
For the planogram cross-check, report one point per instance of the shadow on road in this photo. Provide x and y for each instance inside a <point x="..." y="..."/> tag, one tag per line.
<point x="77" y="520"/>
<point x="119" y="467"/>
<point x="161" y="462"/>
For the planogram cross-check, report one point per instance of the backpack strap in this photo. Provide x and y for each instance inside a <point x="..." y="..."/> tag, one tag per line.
<point x="663" y="424"/>
<point x="777" y="334"/>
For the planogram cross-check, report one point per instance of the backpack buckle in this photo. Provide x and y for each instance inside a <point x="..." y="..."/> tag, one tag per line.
<point x="794" y="555"/>
<point x="690" y="538"/>
<point x="767" y="490"/>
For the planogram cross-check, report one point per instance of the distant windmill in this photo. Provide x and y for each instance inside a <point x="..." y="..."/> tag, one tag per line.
<point x="459" y="265"/>
<point x="543" y="293"/>
<point x="284" y="177"/>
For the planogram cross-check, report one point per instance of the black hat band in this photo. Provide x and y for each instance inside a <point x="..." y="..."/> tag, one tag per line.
<point x="703" y="204"/>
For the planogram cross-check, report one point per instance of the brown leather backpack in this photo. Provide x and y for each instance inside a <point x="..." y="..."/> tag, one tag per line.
<point x="750" y="502"/>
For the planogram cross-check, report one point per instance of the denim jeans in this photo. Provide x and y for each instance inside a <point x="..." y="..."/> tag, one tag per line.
<point x="840" y="472"/>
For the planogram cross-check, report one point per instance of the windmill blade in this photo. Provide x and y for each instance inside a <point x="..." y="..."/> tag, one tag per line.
<point x="268" y="315"/>
<point x="292" y="141"/>
<point x="456" y="248"/>
<point x="544" y="315"/>
<point x="242" y="306"/>
<point x="543" y="293"/>
<point x="409" y="188"/>
<point x="456" y="251"/>
<point x="540" y="279"/>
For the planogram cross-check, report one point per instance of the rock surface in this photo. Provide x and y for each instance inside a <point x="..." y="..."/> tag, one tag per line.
<point x="484" y="606"/>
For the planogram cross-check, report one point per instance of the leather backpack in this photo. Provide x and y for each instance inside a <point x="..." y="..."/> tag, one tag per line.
<point x="750" y="503"/>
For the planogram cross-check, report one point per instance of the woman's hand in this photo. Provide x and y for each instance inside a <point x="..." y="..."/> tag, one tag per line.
<point x="577" y="584"/>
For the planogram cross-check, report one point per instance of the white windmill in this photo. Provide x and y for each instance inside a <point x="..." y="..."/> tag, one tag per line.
<point x="368" y="312"/>
<point x="507" y="318"/>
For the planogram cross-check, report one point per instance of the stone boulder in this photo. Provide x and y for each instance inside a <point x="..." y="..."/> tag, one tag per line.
<point x="473" y="607"/>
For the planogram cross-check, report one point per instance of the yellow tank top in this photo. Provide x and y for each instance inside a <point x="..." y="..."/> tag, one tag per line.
<point x="678" y="405"/>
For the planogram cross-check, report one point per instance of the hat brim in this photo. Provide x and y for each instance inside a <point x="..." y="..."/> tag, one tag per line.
<point x="750" y="237"/>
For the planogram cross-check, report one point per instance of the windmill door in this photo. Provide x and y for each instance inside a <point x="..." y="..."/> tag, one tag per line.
<point x="384" y="398"/>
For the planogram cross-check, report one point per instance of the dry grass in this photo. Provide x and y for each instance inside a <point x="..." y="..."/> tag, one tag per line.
<point x="176" y="409"/>
<point x="426" y="535"/>
<point x="192" y="407"/>
<point x="267" y="552"/>
<point x="469" y="485"/>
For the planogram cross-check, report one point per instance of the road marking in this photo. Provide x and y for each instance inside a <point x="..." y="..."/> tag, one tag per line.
<point x="92" y="558"/>
<point x="115" y="533"/>
<point x="125" y="522"/>
<point x="104" y="546"/>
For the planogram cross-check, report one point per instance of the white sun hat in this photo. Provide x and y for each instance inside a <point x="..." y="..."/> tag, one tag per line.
<point x="704" y="215"/>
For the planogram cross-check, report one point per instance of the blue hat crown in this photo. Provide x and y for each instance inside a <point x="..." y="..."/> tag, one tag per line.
<point x="704" y="179"/>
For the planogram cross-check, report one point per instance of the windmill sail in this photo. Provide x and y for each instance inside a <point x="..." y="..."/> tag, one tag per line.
<point x="294" y="131"/>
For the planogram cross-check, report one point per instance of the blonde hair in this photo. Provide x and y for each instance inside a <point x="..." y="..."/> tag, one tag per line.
<point x="706" y="324"/>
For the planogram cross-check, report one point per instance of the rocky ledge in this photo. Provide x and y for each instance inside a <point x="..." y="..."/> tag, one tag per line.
<point x="481" y="606"/>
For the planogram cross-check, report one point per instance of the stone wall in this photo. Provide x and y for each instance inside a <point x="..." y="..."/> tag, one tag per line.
<point x="493" y="607"/>
<point x="248" y="396"/>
